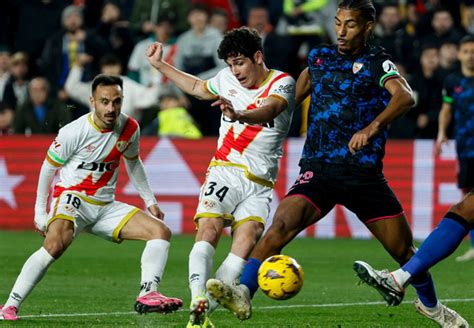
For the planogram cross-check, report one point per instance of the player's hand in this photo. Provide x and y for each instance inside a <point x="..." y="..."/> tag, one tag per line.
<point x="440" y="141"/>
<point x="41" y="220"/>
<point x="361" y="139"/>
<point x="227" y="108"/>
<point x="155" y="54"/>
<point x="156" y="211"/>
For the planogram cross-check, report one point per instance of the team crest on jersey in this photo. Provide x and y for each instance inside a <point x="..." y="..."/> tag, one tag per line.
<point x="208" y="204"/>
<point x="356" y="67"/>
<point x="121" y="146"/>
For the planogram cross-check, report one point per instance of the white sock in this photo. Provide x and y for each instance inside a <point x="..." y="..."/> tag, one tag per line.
<point x="402" y="277"/>
<point x="230" y="269"/>
<point x="200" y="267"/>
<point x="153" y="263"/>
<point x="31" y="273"/>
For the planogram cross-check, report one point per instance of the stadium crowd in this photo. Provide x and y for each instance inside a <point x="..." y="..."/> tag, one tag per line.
<point x="51" y="50"/>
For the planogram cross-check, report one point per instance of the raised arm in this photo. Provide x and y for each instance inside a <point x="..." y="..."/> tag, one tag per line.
<point x="186" y="82"/>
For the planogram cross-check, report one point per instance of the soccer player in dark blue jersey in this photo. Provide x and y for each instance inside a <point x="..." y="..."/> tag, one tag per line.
<point x="458" y="101"/>
<point x="356" y="91"/>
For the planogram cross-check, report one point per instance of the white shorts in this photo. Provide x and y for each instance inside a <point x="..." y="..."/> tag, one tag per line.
<point x="229" y="195"/>
<point x="104" y="220"/>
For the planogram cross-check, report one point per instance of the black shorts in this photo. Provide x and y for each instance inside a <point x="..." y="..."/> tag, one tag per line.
<point x="363" y="191"/>
<point x="466" y="173"/>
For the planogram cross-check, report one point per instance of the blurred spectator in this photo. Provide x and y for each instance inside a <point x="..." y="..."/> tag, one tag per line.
<point x="219" y="20"/>
<point x="34" y="22"/>
<point x="443" y="27"/>
<point x="6" y="112"/>
<point x="68" y="46"/>
<point x="427" y="88"/>
<point x="275" y="47"/>
<point x="114" y="30"/>
<point x="40" y="114"/>
<point x="275" y="9"/>
<point x="92" y="10"/>
<point x="16" y="89"/>
<point x="173" y="119"/>
<point x="146" y="14"/>
<point x="196" y="51"/>
<point x="448" y="57"/>
<point x="307" y="23"/>
<point x="421" y="120"/>
<point x="5" y="61"/>
<point x="229" y="6"/>
<point x="391" y="34"/>
<point x="467" y="15"/>
<point x="196" y="54"/>
<point x="136" y="97"/>
<point x="138" y="67"/>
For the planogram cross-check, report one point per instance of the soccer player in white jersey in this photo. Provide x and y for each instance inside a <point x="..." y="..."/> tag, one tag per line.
<point x="257" y="105"/>
<point x="88" y="151"/>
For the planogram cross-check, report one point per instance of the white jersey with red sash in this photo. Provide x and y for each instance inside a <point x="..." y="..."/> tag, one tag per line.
<point x="90" y="157"/>
<point x="253" y="148"/>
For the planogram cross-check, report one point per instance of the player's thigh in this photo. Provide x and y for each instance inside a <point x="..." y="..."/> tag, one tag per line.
<point x="465" y="208"/>
<point x="220" y="194"/>
<point x="118" y="221"/>
<point x="75" y="209"/>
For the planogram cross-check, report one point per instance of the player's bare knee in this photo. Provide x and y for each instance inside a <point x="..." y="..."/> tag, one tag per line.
<point x="208" y="233"/>
<point x="465" y="209"/>
<point x="159" y="232"/>
<point x="55" y="247"/>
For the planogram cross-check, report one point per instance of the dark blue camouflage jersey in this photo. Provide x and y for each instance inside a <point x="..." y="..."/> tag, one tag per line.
<point x="347" y="95"/>
<point x="459" y="92"/>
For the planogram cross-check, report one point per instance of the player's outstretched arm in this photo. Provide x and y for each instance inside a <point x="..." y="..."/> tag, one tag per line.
<point x="400" y="103"/>
<point x="46" y="176"/>
<point x="265" y="114"/>
<point x="444" y="119"/>
<point x="136" y="172"/>
<point x="186" y="82"/>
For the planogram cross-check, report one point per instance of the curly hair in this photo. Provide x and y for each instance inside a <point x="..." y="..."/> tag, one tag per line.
<point x="240" y="41"/>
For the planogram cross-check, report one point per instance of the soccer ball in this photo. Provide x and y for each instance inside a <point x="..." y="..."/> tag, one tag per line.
<point x="280" y="277"/>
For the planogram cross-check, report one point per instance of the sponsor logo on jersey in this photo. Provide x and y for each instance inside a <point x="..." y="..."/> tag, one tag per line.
<point x="232" y="93"/>
<point x="356" y="67"/>
<point x="99" y="167"/>
<point x="388" y="66"/>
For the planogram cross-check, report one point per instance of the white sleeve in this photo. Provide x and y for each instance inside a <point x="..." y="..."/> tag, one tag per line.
<point x="76" y="89"/>
<point x="45" y="179"/>
<point x="136" y="173"/>
<point x="142" y="96"/>
<point x="63" y="147"/>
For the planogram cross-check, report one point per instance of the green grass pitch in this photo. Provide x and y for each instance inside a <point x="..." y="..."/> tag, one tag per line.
<point x="95" y="283"/>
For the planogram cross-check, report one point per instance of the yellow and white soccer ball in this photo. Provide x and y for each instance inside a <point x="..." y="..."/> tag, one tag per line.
<point x="280" y="277"/>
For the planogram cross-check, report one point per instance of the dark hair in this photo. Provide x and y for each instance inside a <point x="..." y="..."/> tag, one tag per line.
<point x="466" y="39"/>
<point x="365" y="7"/>
<point x="240" y="41"/>
<point x="104" y="79"/>
<point x="109" y="60"/>
<point x="199" y="7"/>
